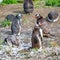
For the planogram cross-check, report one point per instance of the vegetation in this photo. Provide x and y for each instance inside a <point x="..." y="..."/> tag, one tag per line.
<point x="36" y="2"/>
<point x="14" y="1"/>
<point x="5" y="23"/>
<point x="52" y="2"/>
<point x="20" y="1"/>
<point x="39" y="3"/>
<point x="9" y="1"/>
<point x="26" y="21"/>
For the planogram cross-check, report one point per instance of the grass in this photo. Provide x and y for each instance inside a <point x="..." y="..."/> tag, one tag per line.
<point x="20" y="1"/>
<point x="42" y="3"/>
<point x="5" y="23"/>
<point x="36" y="5"/>
<point x="52" y="2"/>
<point x="10" y="1"/>
<point x="26" y="21"/>
<point x="36" y="2"/>
<point x="35" y="49"/>
<point x="3" y="4"/>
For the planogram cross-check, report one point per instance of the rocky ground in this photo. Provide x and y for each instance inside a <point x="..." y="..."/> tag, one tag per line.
<point x="51" y="46"/>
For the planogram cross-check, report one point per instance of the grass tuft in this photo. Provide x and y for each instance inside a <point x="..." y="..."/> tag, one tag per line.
<point x="52" y="2"/>
<point x="9" y="1"/>
<point x="5" y="23"/>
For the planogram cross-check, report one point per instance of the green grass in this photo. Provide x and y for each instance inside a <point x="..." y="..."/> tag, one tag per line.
<point x="35" y="49"/>
<point x="3" y="4"/>
<point x="26" y="21"/>
<point x="13" y="1"/>
<point x="20" y="1"/>
<point x="9" y="1"/>
<point x="37" y="4"/>
<point x="5" y="23"/>
<point x="52" y="2"/>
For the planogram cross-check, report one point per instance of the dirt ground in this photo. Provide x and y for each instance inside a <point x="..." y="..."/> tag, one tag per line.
<point x="29" y="22"/>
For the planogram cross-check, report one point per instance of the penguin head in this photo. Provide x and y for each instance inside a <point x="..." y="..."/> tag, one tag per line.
<point x="19" y="16"/>
<point x="38" y="17"/>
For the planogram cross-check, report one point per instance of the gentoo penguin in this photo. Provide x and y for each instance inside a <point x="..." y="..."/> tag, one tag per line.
<point x="16" y="24"/>
<point x="53" y="16"/>
<point x="42" y="24"/>
<point x="28" y="6"/>
<point x="37" y="37"/>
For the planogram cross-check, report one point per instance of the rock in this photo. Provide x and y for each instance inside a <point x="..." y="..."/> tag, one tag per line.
<point x="1" y="52"/>
<point x="58" y="57"/>
<point x="12" y="40"/>
<point x="14" y="51"/>
<point x="49" y="58"/>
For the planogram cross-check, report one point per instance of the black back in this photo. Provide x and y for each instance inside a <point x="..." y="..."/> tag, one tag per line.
<point x="10" y="17"/>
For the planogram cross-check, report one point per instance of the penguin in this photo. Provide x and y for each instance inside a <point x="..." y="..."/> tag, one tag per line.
<point x="28" y="6"/>
<point x="53" y="16"/>
<point x="16" y="24"/>
<point x="37" y="37"/>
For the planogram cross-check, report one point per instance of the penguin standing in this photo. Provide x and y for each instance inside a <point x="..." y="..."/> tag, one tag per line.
<point x="37" y="37"/>
<point x="28" y="6"/>
<point x="16" y="24"/>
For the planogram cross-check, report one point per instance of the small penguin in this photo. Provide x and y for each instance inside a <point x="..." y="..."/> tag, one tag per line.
<point x="28" y="6"/>
<point x="37" y="37"/>
<point x="53" y="16"/>
<point x="16" y="24"/>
